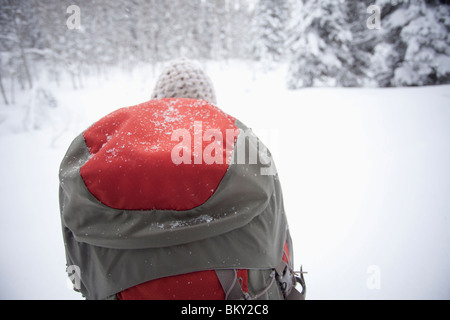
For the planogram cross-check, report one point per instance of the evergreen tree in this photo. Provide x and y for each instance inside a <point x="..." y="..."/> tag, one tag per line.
<point x="220" y="28"/>
<point x="269" y="30"/>
<point x="363" y="40"/>
<point x="415" y="44"/>
<point x="240" y="40"/>
<point x="18" y="24"/>
<point x="320" y="46"/>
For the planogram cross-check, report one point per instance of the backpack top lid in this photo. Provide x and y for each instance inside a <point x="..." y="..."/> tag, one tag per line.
<point x="135" y="155"/>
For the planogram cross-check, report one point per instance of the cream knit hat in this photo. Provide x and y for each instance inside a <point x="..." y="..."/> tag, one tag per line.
<point x="184" y="78"/>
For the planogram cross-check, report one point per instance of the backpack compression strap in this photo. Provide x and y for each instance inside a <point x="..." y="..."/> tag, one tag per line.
<point x="235" y="286"/>
<point x="230" y="284"/>
<point x="283" y="275"/>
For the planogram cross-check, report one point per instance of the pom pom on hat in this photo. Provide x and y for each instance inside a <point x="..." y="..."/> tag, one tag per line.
<point x="184" y="78"/>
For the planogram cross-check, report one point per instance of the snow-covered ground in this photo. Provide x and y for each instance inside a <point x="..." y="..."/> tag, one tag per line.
<point x="365" y="176"/>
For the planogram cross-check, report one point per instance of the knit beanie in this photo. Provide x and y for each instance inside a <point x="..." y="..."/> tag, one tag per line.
<point x="184" y="78"/>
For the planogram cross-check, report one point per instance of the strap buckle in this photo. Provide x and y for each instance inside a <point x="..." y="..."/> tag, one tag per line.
<point x="287" y="280"/>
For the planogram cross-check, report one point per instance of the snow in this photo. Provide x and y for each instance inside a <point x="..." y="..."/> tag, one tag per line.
<point x="365" y="175"/>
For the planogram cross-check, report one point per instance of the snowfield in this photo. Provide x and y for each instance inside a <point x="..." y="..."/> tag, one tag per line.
<point x="365" y="175"/>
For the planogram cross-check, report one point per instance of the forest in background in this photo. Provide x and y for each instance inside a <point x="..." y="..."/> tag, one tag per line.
<point x="324" y="43"/>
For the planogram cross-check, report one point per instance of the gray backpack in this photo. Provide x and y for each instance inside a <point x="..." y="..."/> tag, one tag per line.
<point x="170" y="194"/>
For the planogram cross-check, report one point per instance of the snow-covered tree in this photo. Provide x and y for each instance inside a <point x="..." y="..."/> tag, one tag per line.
<point x="427" y="56"/>
<point x="16" y="28"/>
<point x="320" y="46"/>
<point x="240" y="40"/>
<point x="269" y="30"/>
<point x="415" y="46"/>
<point x="363" y="41"/>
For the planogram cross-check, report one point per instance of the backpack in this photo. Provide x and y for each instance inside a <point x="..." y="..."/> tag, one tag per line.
<point x="174" y="199"/>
